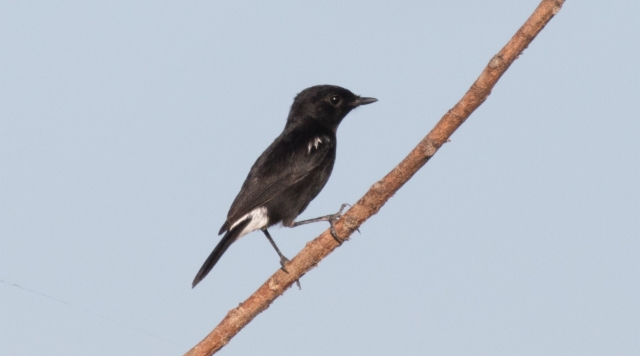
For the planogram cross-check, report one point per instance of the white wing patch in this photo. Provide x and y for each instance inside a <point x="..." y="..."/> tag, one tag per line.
<point x="259" y="220"/>
<point x="315" y="143"/>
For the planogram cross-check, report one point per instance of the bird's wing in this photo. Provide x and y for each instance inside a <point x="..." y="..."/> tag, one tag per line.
<point x="289" y="159"/>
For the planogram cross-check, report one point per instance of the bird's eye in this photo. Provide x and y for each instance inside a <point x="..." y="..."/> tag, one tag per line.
<point x="335" y="100"/>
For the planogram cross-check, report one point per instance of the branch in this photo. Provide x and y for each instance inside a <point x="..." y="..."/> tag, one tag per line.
<point x="382" y="190"/>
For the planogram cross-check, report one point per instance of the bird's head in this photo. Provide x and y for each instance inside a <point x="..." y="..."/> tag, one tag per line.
<point x="327" y="104"/>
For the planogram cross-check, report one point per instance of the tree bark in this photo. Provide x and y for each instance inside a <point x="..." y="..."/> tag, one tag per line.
<point x="382" y="190"/>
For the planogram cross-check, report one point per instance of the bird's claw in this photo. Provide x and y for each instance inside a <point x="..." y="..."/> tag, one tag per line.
<point x="339" y="213"/>
<point x="283" y="262"/>
<point x="332" y="221"/>
<point x="332" y="230"/>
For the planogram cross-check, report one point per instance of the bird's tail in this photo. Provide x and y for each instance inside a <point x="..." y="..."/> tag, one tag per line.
<point x="220" y="249"/>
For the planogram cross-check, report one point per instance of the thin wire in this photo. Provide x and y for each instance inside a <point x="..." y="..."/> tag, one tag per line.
<point x="89" y="312"/>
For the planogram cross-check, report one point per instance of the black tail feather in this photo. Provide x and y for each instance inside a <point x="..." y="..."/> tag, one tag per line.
<point x="220" y="249"/>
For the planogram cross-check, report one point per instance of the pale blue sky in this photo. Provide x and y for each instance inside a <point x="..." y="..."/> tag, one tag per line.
<point x="126" y="130"/>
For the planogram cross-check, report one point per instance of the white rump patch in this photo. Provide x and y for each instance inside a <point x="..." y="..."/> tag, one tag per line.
<point x="316" y="141"/>
<point x="259" y="220"/>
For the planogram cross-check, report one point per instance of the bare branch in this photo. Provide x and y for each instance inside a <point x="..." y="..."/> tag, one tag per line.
<point x="382" y="190"/>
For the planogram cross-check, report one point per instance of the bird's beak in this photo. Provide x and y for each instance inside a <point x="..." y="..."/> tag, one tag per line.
<point x="364" y="101"/>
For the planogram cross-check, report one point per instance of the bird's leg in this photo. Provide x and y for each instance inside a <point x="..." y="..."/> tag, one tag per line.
<point x="283" y="260"/>
<point x="330" y="218"/>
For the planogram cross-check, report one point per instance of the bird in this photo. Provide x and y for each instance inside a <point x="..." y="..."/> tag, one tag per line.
<point x="290" y="172"/>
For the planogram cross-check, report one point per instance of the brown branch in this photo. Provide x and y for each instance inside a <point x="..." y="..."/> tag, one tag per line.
<point x="382" y="190"/>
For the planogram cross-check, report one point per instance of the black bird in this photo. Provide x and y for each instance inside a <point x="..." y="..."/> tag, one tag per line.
<point x="291" y="171"/>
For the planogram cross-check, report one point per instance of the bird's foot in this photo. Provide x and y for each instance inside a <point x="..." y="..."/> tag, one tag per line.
<point x="283" y="262"/>
<point x="332" y="221"/>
